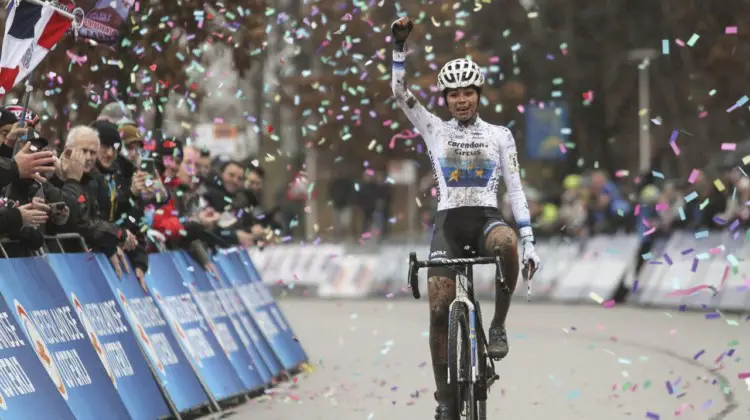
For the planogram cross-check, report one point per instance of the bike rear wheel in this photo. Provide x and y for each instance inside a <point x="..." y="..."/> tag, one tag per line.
<point x="460" y="363"/>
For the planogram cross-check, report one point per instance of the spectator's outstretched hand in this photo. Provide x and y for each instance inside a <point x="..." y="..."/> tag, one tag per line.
<point x="119" y="263"/>
<point x="31" y="163"/>
<point x="15" y="133"/>
<point x="141" y="276"/>
<point x="32" y="217"/>
<point x="72" y="164"/>
<point x="131" y="241"/>
<point x="38" y="203"/>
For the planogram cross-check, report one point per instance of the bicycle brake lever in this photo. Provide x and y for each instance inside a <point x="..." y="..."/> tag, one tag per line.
<point x="527" y="280"/>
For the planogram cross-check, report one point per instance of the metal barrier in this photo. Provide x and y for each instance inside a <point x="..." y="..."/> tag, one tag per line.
<point x="165" y="350"/>
<point x="682" y="271"/>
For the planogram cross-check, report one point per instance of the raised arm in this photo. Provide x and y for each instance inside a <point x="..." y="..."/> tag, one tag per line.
<point x="513" y="185"/>
<point x="423" y="120"/>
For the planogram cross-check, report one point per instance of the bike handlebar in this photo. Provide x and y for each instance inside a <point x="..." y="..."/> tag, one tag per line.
<point x="415" y="265"/>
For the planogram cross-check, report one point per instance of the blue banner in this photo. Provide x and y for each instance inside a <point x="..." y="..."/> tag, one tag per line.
<point x="164" y="352"/>
<point x="269" y="302"/>
<point x="545" y="130"/>
<point x="273" y="327"/>
<point x="268" y="364"/>
<point x="190" y="327"/>
<point x="60" y="341"/>
<point x="106" y="326"/>
<point x="219" y="322"/>
<point x="27" y="391"/>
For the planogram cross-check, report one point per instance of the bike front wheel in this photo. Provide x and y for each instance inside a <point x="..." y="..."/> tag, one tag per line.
<point x="460" y="360"/>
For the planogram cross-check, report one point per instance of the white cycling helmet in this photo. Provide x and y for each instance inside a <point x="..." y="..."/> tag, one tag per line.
<point x="460" y="73"/>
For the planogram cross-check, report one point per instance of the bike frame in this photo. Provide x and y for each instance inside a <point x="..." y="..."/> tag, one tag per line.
<point x="464" y="295"/>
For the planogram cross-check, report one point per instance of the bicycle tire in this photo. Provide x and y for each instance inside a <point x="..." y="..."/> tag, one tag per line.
<point x="482" y="410"/>
<point x="465" y="396"/>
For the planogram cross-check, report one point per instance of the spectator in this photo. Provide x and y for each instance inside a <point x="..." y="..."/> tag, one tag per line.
<point x="133" y="142"/>
<point x="83" y="180"/>
<point x="183" y="220"/>
<point x="700" y="216"/>
<point x="224" y="195"/>
<point x="573" y="206"/>
<point x="342" y="194"/>
<point x="124" y="194"/>
<point x="203" y="165"/>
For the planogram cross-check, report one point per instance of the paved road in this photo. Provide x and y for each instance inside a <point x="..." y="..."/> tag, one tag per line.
<point x="567" y="362"/>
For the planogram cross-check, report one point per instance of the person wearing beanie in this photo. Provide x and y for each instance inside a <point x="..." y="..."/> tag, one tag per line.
<point x="123" y="194"/>
<point x="132" y="142"/>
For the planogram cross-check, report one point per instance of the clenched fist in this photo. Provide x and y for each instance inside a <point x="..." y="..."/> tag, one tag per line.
<point x="401" y="29"/>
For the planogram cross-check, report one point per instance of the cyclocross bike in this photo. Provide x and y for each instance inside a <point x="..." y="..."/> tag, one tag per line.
<point x="471" y="372"/>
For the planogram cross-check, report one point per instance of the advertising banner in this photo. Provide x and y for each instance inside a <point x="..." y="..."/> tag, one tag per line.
<point x="219" y="322"/>
<point x="153" y="332"/>
<point x="545" y="130"/>
<point x="105" y="21"/>
<point x="273" y="328"/>
<point x="191" y="328"/>
<point x="60" y="339"/>
<point x="26" y="391"/>
<point x="258" y="344"/>
<point x="269" y="303"/>
<point x="106" y="326"/>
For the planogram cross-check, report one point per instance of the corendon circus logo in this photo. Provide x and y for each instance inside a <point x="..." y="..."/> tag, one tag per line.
<point x="145" y="339"/>
<point x="92" y="336"/>
<point x="41" y="350"/>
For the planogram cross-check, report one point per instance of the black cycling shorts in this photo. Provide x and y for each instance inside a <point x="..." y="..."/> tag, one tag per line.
<point x="461" y="233"/>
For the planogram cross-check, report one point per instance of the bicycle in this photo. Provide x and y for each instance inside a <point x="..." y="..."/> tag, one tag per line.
<point x="471" y="372"/>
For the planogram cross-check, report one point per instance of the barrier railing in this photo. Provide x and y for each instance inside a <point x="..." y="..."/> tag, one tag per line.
<point x="680" y="271"/>
<point x="76" y="341"/>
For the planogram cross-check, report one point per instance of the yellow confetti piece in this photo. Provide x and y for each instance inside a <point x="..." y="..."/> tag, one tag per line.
<point x="719" y="185"/>
<point x="746" y="160"/>
<point x="596" y="298"/>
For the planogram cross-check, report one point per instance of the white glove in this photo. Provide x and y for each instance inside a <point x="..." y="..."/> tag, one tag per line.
<point x="529" y="255"/>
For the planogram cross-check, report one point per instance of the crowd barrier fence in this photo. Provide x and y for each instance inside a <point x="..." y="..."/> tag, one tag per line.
<point x="79" y="342"/>
<point x="684" y="270"/>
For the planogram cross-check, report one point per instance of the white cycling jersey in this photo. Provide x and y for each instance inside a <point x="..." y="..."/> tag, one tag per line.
<point x="467" y="161"/>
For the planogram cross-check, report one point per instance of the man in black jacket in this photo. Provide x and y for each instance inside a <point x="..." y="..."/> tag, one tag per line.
<point x="124" y="195"/>
<point x="78" y="166"/>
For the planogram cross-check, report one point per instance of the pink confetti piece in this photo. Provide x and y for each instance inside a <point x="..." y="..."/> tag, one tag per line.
<point x="679" y="42"/>
<point x="675" y="148"/>
<point x="730" y="30"/>
<point x="690" y="291"/>
<point x="728" y="146"/>
<point x="494" y="60"/>
<point x="650" y="231"/>
<point x="406" y="134"/>
<point x="743" y="375"/>
<point x="693" y="176"/>
<point x="563" y="149"/>
<point x="521" y="109"/>
<point x="637" y="210"/>
<point x="609" y="304"/>
<point x="459" y="36"/>
<point x="662" y="207"/>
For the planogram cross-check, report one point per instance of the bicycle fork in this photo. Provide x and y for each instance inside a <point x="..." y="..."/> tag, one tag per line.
<point x="462" y="298"/>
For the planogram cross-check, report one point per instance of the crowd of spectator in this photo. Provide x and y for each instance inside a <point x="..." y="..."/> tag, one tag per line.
<point x="125" y="195"/>
<point x="651" y="206"/>
<point x="591" y="203"/>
